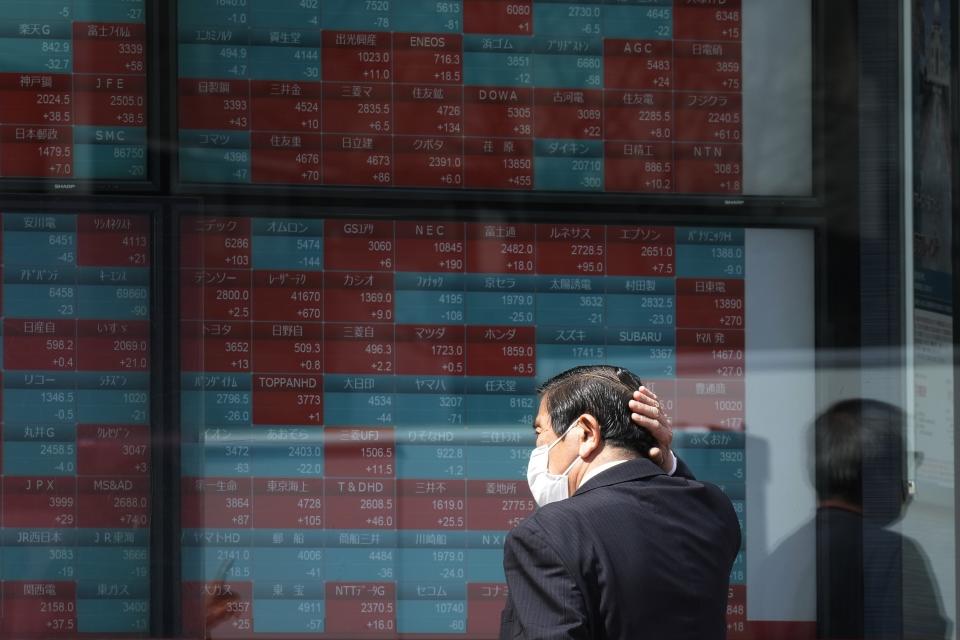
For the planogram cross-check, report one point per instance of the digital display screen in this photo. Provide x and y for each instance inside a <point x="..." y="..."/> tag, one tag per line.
<point x="73" y="90"/>
<point x="74" y="482"/>
<point x="618" y="96"/>
<point x="357" y="400"/>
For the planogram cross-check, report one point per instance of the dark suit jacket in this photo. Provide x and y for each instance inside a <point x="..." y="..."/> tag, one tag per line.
<point x="634" y="554"/>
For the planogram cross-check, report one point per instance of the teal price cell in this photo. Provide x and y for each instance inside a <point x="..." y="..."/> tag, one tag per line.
<point x="224" y="15"/>
<point x="358" y="400"/>
<point x="569" y="70"/>
<point x="485" y="565"/>
<point x="706" y="261"/>
<point x="432" y="615"/>
<point x="97" y="302"/>
<point x="281" y="252"/>
<point x="423" y="298"/>
<point x="47" y="54"/>
<point x="638" y="20"/>
<point x="110" y="152"/>
<point x="646" y="362"/>
<point x="717" y="465"/>
<point x="351" y="564"/>
<point x="216" y="164"/>
<point x="124" y="565"/>
<point x="54" y="301"/>
<point x="39" y="458"/>
<point x="42" y="12"/>
<point x="104" y="406"/>
<point x="288" y="616"/>
<point x="358" y="15"/>
<point x="54" y="249"/>
<point x="432" y="564"/>
<point x="498" y="61"/>
<point x="568" y="165"/>
<point x="228" y="61"/>
<point x="112" y="615"/>
<point x="497" y="462"/>
<point x="426" y="459"/>
<point x="109" y="11"/>
<point x="284" y="14"/>
<point x="220" y="408"/>
<point x="428" y="16"/>
<point x="568" y="19"/>
<point x="29" y="563"/>
<point x="638" y="310"/>
<point x="267" y="62"/>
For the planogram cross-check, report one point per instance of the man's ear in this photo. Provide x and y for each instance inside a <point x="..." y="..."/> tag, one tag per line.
<point x="590" y="440"/>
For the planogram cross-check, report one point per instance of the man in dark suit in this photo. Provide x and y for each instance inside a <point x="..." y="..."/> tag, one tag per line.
<point x="633" y="553"/>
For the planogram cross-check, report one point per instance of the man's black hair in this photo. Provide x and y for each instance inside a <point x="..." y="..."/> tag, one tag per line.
<point x="861" y="456"/>
<point x="603" y="391"/>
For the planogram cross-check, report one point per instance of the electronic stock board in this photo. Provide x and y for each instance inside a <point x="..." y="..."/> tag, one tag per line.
<point x="357" y="400"/>
<point x="617" y="96"/>
<point x="74" y="480"/>
<point x="73" y="90"/>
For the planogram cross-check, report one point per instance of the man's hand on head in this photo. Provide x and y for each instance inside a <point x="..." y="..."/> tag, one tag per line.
<point x="647" y="413"/>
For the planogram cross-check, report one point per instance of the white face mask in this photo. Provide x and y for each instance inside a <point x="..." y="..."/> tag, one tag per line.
<point x="548" y="487"/>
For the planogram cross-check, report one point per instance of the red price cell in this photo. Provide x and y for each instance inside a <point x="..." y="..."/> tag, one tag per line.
<point x="102" y="47"/>
<point x="357" y="160"/>
<point x="286" y="158"/>
<point x="40" y="345"/>
<point x="428" y="57"/>
<point x="113" y="450"/>
<point x="287" y="399"/>
<point x="287" y="347"/>
<point x="358" y="244"/>
<point x="430" y="350"/>
<point x="638" y="64"/>
<point x="286" y="106"/>
<point x="107" y="502"/>
<point x="429" y="110"/>
<point x="704" y="353"/>
<point x="215" y="243"/>
<point x="706" y="21"/>
<point x="428" y="162"/>
<point x="485" y="601"/>
<point x="214" y="104"/>
<point x="215" y="346"/>
<point x="704" y="117"/>
<point x="501" y="248"/>
<point x="498" y="164"/>
<point x="503" y="112"/>
<point x="430" y="246"/>
<point x="358" y="297"/>
<point x="707" y="66"/>
<point x="216" y="294"/>
<point x="33" y="98"/>
<point x="360" y="504"/>
<point x="294" y="296"/>
<point x="632" y="115"/>
<point x="281" y="503"/>
<point x="352" y="56"/>
<point x="36" y="151"/>
<point x="711" y="401"/>
<point x="709" y="168"/>
<point x="571" y="249"/>
<point x="367" y="606"/>
<point x="110" y="101"/>
<point x="501" y="351"/>
<point x="359" y="348"/>
<point x="359" y="453"/>
<point x="195" y="602"/>
<point x="38" y="609"/>
<point x="218" y="503"/>
<point x="361" y="109"/>
<point x="506" y="17"/>
<point x="433" y="505"/>
<point x="40" y="502"/>
<point x="106" y="345"/>
<point x="113" y="240"/>
<point x="710" y="304"/>
<point x="568" y="113"/>
<point x="640" y="251"/>
<point x="498" y="504"/>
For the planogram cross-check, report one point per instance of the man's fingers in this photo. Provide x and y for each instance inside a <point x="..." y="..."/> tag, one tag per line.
<point x="656" y="454"/>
